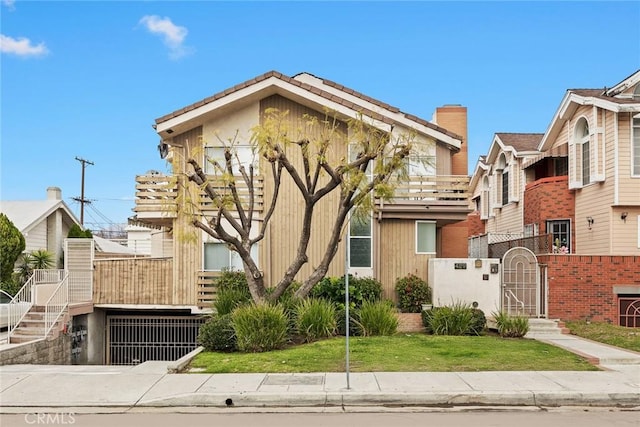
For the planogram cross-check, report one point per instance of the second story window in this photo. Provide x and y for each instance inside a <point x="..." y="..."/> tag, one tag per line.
<point x="505" y="187"/>
<point x="243" y="157"/>
<point x="584" y="150"/>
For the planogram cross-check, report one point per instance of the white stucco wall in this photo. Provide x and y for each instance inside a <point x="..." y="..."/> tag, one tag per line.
<point x="473" y="284"/>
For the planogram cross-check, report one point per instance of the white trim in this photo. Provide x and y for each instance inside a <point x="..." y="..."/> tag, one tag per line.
<point x="633" y="153"/>
<point x="625" y="84"/>
<point x="616" y="166"/>
<point x="273" y="85"/>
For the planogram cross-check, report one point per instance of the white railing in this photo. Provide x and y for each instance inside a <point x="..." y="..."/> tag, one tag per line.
<point x="56" y="305"/>
<point x="21" y="304"/>
<point x="80" y="286"/>
<point x="509" y="294"/>
<point x="48" y="276"/>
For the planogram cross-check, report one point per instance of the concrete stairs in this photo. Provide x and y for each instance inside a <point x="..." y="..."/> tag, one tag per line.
<point x="32" y="327"/>
<point x="546" y="328"/>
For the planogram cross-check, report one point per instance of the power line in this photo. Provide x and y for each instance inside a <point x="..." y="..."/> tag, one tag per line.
<point x="81" y="199"/>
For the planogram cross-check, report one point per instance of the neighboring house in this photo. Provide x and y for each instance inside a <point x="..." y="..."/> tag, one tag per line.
<point x="497" y="186"/>
<point x="43" y="223"/>
<point x="423" y="221"/>
<point x="579" y="190"/>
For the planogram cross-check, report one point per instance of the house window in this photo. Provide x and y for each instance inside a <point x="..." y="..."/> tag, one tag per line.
<point x="530" y="230"/>
<point x="561" y="166"/>
<point x="635" y="150"/>
<point x="243" y="153"/>
<point x="505" y="188"/>
<point x="218" y="256"/>
<point x="420" y="165"/>
<point x="560" y="231"/>
<point x="360" y="242"/>
<point x="425" y="237"/>
<point x="584" y="149"/>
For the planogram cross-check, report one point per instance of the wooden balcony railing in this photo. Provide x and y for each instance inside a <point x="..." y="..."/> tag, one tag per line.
<point x="442" y="196"/>
<point x="157" y="195"/>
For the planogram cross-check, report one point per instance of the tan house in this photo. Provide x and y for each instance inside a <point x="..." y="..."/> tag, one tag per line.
<point x="400" y="236"/>
<point x="576" y="209"/>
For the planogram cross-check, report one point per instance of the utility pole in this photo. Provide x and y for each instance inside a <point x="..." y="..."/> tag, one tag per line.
<point x="81" y="199"/>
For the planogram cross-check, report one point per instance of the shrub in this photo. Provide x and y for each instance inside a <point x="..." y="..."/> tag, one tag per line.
<point x="478" y="322"/>
<point x="228" y="299"/>
<point x="412" y="292"/>
<point x="289" y="302"/>
<point x="341" y="320"/>
<point x="511" y="326"/>
<point x="315" y="318"/>
<point x="232" y="291"/>
<point x="217" y="334"/>
<point x="457" y="319"/>
<point x="377" y="318"/>
<point x="360" y="289"/>
<point x="232" y="279"/>
<point x="260" y="327"/>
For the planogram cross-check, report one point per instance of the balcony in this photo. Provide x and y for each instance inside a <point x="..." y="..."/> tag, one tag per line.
<point x="444" y="198"/>
<point x="157" y="197"/>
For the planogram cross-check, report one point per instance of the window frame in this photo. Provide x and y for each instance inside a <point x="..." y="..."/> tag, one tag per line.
<point x="504" y="184"/>
<point x="244" y="152"/>
<point x="368" y="237"/>
<point x="550" y="223"/>
<point x="635" y="146"/>
<point x="435" y="243"/>
<point x="230" y="265"/>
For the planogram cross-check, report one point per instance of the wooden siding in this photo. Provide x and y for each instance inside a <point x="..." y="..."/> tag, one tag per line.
<point x="135" y="281"/>
<point x="187" y="247"/>
<point x="37" y="237"/>
<point x="397" y="254"/>
<point x="443" y="160"/>
<point x="628" y="186"/>
<point x="625" y="233"/>
<point x="279" y="247"/>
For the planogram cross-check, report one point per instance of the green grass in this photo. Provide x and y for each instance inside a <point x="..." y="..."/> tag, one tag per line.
<point x="618" y="336"/>
<point x="400" y="353"/>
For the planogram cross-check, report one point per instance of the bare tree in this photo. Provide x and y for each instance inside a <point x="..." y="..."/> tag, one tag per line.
<point x="375" y="157"/>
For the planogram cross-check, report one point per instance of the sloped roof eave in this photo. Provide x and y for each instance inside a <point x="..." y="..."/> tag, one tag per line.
<point x="287" y="84"/>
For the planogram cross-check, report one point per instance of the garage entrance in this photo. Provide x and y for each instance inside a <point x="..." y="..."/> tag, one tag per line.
<point x="136" y="339"/>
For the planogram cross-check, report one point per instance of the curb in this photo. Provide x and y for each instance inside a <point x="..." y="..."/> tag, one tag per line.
<point x="180" y="364"/>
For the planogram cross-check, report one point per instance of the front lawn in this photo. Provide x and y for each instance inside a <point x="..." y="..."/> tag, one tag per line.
<point x="399" y="353"/>
<point x="619" y="336"/>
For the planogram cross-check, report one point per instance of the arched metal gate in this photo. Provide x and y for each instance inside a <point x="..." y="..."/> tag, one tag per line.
<point x="523" y="293"/>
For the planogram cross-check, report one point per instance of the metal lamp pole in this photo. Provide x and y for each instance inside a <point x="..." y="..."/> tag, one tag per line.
<point x="346" y="299"/>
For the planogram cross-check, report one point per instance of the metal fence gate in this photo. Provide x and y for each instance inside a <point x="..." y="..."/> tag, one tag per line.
<point x="521" y="283"/>
<point x="135" y="339"/>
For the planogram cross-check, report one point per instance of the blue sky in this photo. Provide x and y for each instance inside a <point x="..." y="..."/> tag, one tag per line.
<point x="88" y="79"/>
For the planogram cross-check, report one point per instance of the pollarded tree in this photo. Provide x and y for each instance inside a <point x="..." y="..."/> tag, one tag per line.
<point x="11" y="246"/>
<point x="303" y="152"/>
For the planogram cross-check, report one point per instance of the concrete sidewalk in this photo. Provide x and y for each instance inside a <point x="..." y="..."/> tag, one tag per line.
<point x="150" y="385"/>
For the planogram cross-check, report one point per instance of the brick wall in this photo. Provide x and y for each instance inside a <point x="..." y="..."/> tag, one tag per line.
<point x="454" y="119"/>
<point x="549" y="198"/>
<point x="454" y="240"/>
<point x="475" y="226"/>
<point x="410" y="322"/>
<point x="581" y="286"/>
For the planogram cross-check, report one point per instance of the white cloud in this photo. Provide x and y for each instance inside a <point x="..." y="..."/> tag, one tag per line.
<point x="21" y="46"/>
<point x="10" y="4"/>
<point x="172" y="35"/>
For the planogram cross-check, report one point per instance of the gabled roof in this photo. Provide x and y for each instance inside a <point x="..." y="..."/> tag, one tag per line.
<point x="309" y="89"/>
<point x="521" y="142"/>
<point x="26" y="214"/>
<point x="608" y="99"/>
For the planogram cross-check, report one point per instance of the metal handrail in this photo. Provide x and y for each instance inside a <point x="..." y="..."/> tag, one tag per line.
<point x="20" y="304"/>
<point x="56" y="305"/>
<point x="518" y="302"/>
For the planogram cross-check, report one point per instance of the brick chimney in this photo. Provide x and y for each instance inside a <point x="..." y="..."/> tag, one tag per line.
<point x="454" y="119"/>
<point x="54" y="193"/>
